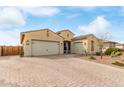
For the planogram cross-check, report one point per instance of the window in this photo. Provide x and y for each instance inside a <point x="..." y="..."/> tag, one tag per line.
<point x="92" y="45"/>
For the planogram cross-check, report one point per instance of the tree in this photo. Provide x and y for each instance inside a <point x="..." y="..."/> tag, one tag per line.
<point x="102" y="38"/>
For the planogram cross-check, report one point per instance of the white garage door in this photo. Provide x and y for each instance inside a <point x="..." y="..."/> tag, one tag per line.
<point x="44" y="48"/>
<point x="78" y="48"/>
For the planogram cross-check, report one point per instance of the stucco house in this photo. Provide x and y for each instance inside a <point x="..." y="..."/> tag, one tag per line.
<point x="46" y="42"/>
<point x="118" y="45"/>
<point x="109" y="44"/>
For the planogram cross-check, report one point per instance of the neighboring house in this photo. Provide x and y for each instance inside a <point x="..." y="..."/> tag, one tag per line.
<point x="109" y="44"/>
<point x="121" y="46"/>
<point x="47" y="42"/>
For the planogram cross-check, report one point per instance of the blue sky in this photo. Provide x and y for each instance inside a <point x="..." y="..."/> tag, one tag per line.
<point x="80" y="20"/>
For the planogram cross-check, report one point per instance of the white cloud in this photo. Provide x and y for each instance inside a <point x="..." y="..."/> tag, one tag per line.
<point x="10" y="16"/>
<point x="10" y="37"/>
<point x="98" y="25"/>
<point x="16" y="16"/>
<point x="40" y="11"/>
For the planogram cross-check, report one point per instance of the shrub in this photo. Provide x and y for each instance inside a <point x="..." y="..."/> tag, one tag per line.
<point x="92" y="57"/>
<point x="98" y="53"/>
<point x="118" y="63"/>
<point x="117" y="50"/>
<point x="110" y="50"/>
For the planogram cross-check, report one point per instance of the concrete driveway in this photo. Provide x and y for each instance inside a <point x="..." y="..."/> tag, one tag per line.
<point x="60" y="71"/>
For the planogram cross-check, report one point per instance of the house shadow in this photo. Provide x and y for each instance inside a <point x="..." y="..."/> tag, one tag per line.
<point x="60" y="56"/>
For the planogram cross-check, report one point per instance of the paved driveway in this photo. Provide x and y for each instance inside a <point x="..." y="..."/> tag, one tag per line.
<point x="63" y="70"/>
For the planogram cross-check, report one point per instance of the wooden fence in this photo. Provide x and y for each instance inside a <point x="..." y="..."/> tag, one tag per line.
<point x="10" y="50"/>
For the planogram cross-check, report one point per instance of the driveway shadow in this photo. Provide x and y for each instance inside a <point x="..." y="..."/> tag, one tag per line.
<point x="63" y="56"/>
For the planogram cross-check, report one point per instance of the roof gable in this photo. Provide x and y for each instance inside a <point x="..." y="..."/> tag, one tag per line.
<point x="65" y="31"/>
<point x="23" y="33"/>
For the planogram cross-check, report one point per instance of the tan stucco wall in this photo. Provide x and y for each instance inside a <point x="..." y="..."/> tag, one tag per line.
<point x="67" y="35"/>
<point x="120" y="46"/>
<point x="41" y="35"/>
<point x="96" y="44"/>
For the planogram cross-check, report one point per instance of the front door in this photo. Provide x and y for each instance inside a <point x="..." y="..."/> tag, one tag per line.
<point x="67" y="47"/>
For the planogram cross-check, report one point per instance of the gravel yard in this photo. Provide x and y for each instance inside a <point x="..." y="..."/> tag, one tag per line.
<point x="57" y="71"/>
<point x="107" y="60"/>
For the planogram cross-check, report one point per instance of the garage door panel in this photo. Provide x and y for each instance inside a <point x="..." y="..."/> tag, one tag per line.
<point x="45" y="48"/>
<point x="78" y="48"/>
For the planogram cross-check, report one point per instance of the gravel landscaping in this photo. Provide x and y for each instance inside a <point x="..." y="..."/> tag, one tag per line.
<point x="108" y="60"/>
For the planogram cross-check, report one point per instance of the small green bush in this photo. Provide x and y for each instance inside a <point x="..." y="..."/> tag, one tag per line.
<point x="92" y="57"/>
<point x="118" y="63"/>
<point x="98" y="53"/>
<point x="117" y="50"/>
<point x="110" y="50"/>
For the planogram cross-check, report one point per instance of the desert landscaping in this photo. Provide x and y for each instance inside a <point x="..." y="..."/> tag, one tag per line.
<point x="107" y="60"/>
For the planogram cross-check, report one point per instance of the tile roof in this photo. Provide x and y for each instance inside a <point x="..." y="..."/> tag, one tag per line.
<point x="82" y="37"/>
